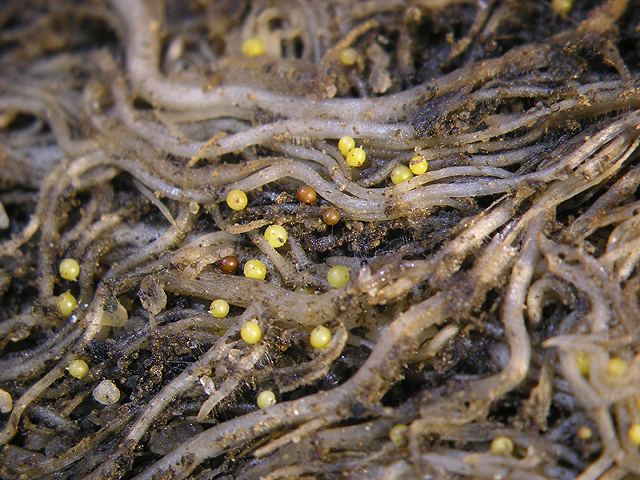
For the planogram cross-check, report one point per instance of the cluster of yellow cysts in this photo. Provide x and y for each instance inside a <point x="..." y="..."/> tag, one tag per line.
<point x="266" y="398"/>
<point x="255" y="269"/>
<point x="78" y="368"/>
<point x="320" y="337"/>
<point x="276" y="235"/>
<point x="253" y="47"/>
<point x="251" y="332"/>
<point x="219" y="308"/>
<point x="338" y="276"/>
<point x="417" y="166"/>
<point x="355" y="155"/>
<point x="502" y="446"/>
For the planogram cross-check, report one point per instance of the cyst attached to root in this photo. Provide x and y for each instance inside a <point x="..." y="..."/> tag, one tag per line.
<point x="418" y="165"/>
<point x="349" y="56"/>
<point x="237" y="199"/>
<point x="69" y="269"/>
<point x="253" y="47"/>
<point x="320" y="337"/>
<point x="401" y="174"/>
<point x="398" y="434"/>
<point x="255" y="269"/>
<point x="338" y="276"/>
<point x="307" y="195"/>
<point x="276" y="235"/>
<point x="346" y="144"/>
<point x="67" y="304"/>
<point x="228" y="264"/>
<point x="502" y="446"/>
<point x="251" y="332"/>
<point x="78" y="368"/>
<point x="219" y="308"/>
<point x="356" y="157"/>
<point x="331" y="216"/>
<point x="616" y="367"/>
<point x="265" y="399"/>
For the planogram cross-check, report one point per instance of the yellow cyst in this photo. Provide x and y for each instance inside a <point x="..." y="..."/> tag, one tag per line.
<point x="616" y="367"/>
<point x="219" y="308"/>
<point x="338" y="276"/>
<point x="253" y="47"/>
<point x="303" y="291"/>
<point x="398" y="434"/>
<point x="266" y="399"/>
<point x="320" y="337"/>
<point x="237" y="199"/>
<point x="634" y="433"/>
<point x="356" y="157"/>
<point x="562" y="6"/>
<point x="276" y="235"/>
<point x="501" y="446"/>
<point x="401" y="174"/>
<point x="584" y="364"/>
<point x="78" y="368"/>
<point x="346" y="144"/>
<point x="251" y="332"/>
<point x="255" y="269"/>
<point x="585" y="433"/>
<point x="349" y="56"/>
<point x="67" y="304"/>
<point x="69" y="269"/>
<point x="418" y="165"/>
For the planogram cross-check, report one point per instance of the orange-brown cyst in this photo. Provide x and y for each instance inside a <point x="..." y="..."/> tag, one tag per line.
<point x="306" y="194"/>
<point x="331" y="216"/>
<point x="228" y="264"/>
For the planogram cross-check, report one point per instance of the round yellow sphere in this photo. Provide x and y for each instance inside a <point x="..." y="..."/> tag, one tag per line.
<point x="398" y="434"/>
<point x="346" y="144"/>
<point x="584" y="364"/>
<point x="78" y="368"/>
<point x="502" y="446"/>
<point x="255" y="269"/>
<point x="266" y="399"/>
<point x="349" y="56"/>
<point x="276" y="235"/>
<point x="401" y="174"/>
<point x="356" y="157"/>
<point x="69" y="269"/>
<point x="338" y="276"/>
<point x="634" y="433"/>
<point x="253" y="47"/>
<point x="67" y="304"/>
<point x="320" y="337"/>
<point x="616" y="367"/>
<point x="219" y="308"/>
<point x="251" y="332"/>
<point x="418" y="165"/>
<point x="237" y="199"/>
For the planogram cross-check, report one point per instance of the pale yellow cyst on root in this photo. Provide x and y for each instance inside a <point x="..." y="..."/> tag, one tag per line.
<point x="418" y="165"/>
<point x="338" y="276"/>
<point x="78" y="368"/>
<point x="276" y="235"/>
<point x="106" y="393"/>
<point x="303" y="291"/>
<point x="634" y="433"/>
<point x="585" y="433"/>
<point x="502" y="446"/>
<point x="584" y="364"/>
<point x="194" y="207"/>
<point x="562" y="6"/>
<point x="67" y="304"/>
<point x="251" y="332"/>
<point x="253" y="47"/>
<point x="616" y="367"/>
<point x="237" y="199"/>
<point x="6" y="402"/>
<point x="401" y="174"/>
<point x="398" y="434"/>
<point x="255" y="269"/>
<point x="349" y="56"/>
<point x="219" y="308"/>
<point x="266" y="399"/>
<point x="346" y="144"/>
<point x="69" y="269"/>
<point x="356" y="157"/>
<point x="320" y="337"/>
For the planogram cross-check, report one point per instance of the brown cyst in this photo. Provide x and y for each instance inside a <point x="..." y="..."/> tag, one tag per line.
<point x="306" y="194"/>
<point x="331" y="216"/>
<point x="228" y="264"/>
